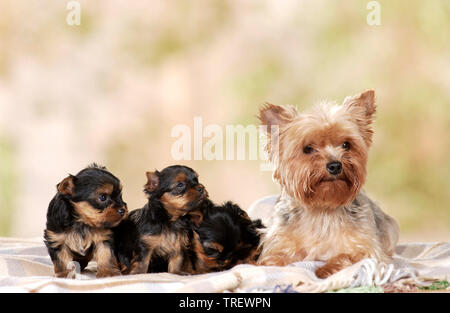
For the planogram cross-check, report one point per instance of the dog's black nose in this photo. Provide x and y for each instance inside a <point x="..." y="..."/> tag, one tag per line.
<point x="199" y="189"/>
<point x="334" y="168"/>
<point x="121" y="212"/>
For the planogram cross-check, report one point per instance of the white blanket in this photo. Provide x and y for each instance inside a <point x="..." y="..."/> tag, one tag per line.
<point x="26" y="267"/>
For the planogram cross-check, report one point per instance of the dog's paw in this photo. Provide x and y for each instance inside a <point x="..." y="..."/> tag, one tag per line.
<point x="324" y="272"/>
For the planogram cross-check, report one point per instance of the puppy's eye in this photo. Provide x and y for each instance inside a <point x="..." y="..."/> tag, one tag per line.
<point x="180" y="185"/>
<point x="211" y="252"/>
<point x="243" y="214"/>
<point x="346" y="146"/>
<point x="103" y="197"/>
<point x="308" y="149"/>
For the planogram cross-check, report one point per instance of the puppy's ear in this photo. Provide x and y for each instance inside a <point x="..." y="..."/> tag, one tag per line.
<point x="271" y="115"/>
<point x="67" y="186"/>
<point x="196" y="217"/>
<point x="362" y="108"/>
<point x="152" y="181"/>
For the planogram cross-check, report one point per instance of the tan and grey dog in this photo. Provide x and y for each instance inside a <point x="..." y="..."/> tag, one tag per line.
<point x="322" y="214"/>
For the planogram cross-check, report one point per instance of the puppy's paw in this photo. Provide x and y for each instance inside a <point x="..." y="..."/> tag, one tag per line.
<point x="108" y="273"/>
<point x="64" y="274"/>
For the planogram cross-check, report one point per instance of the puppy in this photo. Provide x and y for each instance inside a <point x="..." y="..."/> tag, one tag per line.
<point x="159" y="237"/>
<point x="226" y="237"/>
<point x="320" y="160"/>
<point x="79" y="221"/>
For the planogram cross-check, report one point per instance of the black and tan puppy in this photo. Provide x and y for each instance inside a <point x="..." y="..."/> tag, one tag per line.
<point x="159" y="237"/>
<point x="226" y="237"/>
<point x="79" y="221"/>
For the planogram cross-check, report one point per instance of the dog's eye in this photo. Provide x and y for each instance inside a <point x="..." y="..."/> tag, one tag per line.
<point x="180" y="185"/>
<point x="308" y="149"/>
<point x="346" y="146"/>
<point x="103" y="197"/>
<point x="243" y="214"/>
<point x="211" y="252"/>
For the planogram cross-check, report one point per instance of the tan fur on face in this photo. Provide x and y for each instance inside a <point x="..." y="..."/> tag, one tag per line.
<point x="106" y="189"/>
<point x="302" y="175"/>
<point x="181" y="177"/>
<point x="326" y="127"/>
<point x="88" y="215"/>
<point x="108" y="217"/>
<point x="213" y="245"/>
<point x="305" y="176"/>
<point x="177" y="205"/>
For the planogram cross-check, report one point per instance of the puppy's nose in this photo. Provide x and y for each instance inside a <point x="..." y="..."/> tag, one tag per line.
<point x="121" y="212"/>
<point x="334" y="168"/>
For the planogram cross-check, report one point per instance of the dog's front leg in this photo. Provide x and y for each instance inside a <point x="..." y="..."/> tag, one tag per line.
<point x="106" y="261"/>
<point x="337" y="263"/>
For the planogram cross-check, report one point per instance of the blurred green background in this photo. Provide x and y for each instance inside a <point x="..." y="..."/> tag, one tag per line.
<point x="111" y="89"/>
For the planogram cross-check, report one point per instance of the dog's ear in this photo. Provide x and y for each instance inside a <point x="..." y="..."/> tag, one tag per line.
<point x="67" y="186"/>
<point x="273" y="119"/>
<point x="362" y="108"/>
<point x="271" y="115"/>
<point x="152" y="181"/>
<point x="364" y="103"/>
<point x="59" y="213"/>
<point x="196" y="217"/>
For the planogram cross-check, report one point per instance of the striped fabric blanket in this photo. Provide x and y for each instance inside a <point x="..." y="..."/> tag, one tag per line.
<point x="26" y="267"/>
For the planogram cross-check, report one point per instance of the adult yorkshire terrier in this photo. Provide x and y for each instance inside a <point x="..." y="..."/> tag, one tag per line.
<point x="322" y="213"/>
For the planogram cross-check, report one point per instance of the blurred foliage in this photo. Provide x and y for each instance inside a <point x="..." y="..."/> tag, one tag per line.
<point x="151" y="42"/>
<point x="8" y="188"/>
